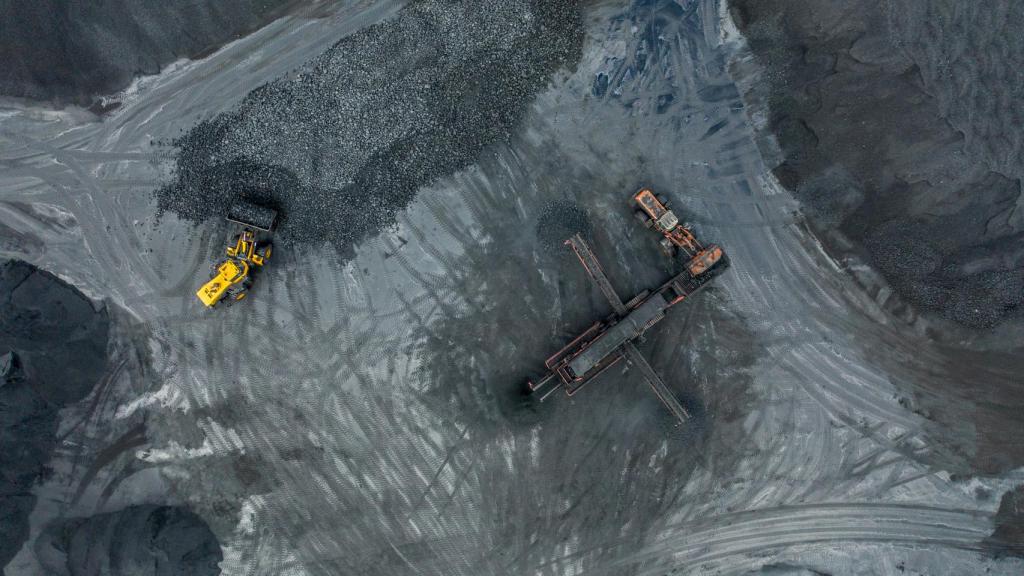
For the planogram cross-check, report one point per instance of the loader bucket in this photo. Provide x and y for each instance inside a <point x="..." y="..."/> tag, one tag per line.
<point x="252" y="215"/>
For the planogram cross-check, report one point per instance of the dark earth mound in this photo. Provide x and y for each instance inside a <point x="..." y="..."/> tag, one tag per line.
<point x="137" y="541"/>
<point x="974" y="400"/>
<point x="1008" y="537"/>
<point x="898" y="124"/>
<point x="54" y="344"/>
<point x="70" y="51"/>
<point x="344" y="142"/>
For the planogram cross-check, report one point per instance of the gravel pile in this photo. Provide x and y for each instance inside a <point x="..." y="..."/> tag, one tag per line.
<point x="341" y="144"/>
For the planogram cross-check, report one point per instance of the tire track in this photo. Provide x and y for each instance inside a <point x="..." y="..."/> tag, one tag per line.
<point x="759" y="530"/>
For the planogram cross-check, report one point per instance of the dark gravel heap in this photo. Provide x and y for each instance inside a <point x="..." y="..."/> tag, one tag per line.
<point x="341" y="144"/>
<point x="69" y="51"/>
<point x="53" y="350"/>
<point x="559" y="220"/>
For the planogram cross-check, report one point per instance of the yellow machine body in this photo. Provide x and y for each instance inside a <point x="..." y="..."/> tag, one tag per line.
<point x="230" y="272"/>
<point x="233" y="275"/>
<point x="245" y="248"/>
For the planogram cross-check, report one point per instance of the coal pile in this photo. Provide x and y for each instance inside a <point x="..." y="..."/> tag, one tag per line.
<point x="343" y="143"/>
<point x="1008" y="536"/>
<point x="70" y="51"/>
<point x="559" y="220"/>
<point x="52" y="352"/>
<point x="136" y="541"/>
<point x="896" y="125"/>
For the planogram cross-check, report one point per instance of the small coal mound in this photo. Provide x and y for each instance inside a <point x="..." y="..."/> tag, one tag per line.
<point x="343" y="143"/>
<point x="559" y="220"/>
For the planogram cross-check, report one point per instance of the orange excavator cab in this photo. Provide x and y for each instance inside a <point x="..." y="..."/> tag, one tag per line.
<point x="655" y="213"/>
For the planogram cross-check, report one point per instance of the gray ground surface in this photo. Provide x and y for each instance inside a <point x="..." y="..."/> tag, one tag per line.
<point x="72" y="51"/>
<point x="897" y="125"/>
<point x="362" y="415"/>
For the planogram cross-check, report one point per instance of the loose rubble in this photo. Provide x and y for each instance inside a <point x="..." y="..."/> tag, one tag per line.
<point x="341" y="144"/>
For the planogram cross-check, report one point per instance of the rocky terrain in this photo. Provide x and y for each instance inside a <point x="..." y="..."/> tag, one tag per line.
<point x="893" y="123"/>
<point x="53" y="342"/>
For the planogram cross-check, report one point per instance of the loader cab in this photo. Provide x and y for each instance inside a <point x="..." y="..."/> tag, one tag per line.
<point x="654" y="207"/>
<point x="668" y="221"/>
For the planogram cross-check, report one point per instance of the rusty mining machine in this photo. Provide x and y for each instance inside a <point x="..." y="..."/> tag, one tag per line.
<point x="610" y="340"/>
<point x="678" y="239"/>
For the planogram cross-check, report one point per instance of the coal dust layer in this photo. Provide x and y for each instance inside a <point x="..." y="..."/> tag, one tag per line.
<point x="69" y="51"/>
<point x="52" y="352"/>
<point x="345" y="141"/>
<point x="899" y="126"/>
<point x="137" y="541"/>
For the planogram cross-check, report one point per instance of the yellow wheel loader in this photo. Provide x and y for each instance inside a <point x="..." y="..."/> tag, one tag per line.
<point x="232" y="276"/>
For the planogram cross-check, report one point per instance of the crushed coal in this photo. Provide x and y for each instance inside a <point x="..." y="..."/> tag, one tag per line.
<point x="559" y="220"/>
<point x="341" y="144"/>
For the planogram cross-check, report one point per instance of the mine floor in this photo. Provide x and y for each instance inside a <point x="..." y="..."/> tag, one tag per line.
<point x="367" y="416"/>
